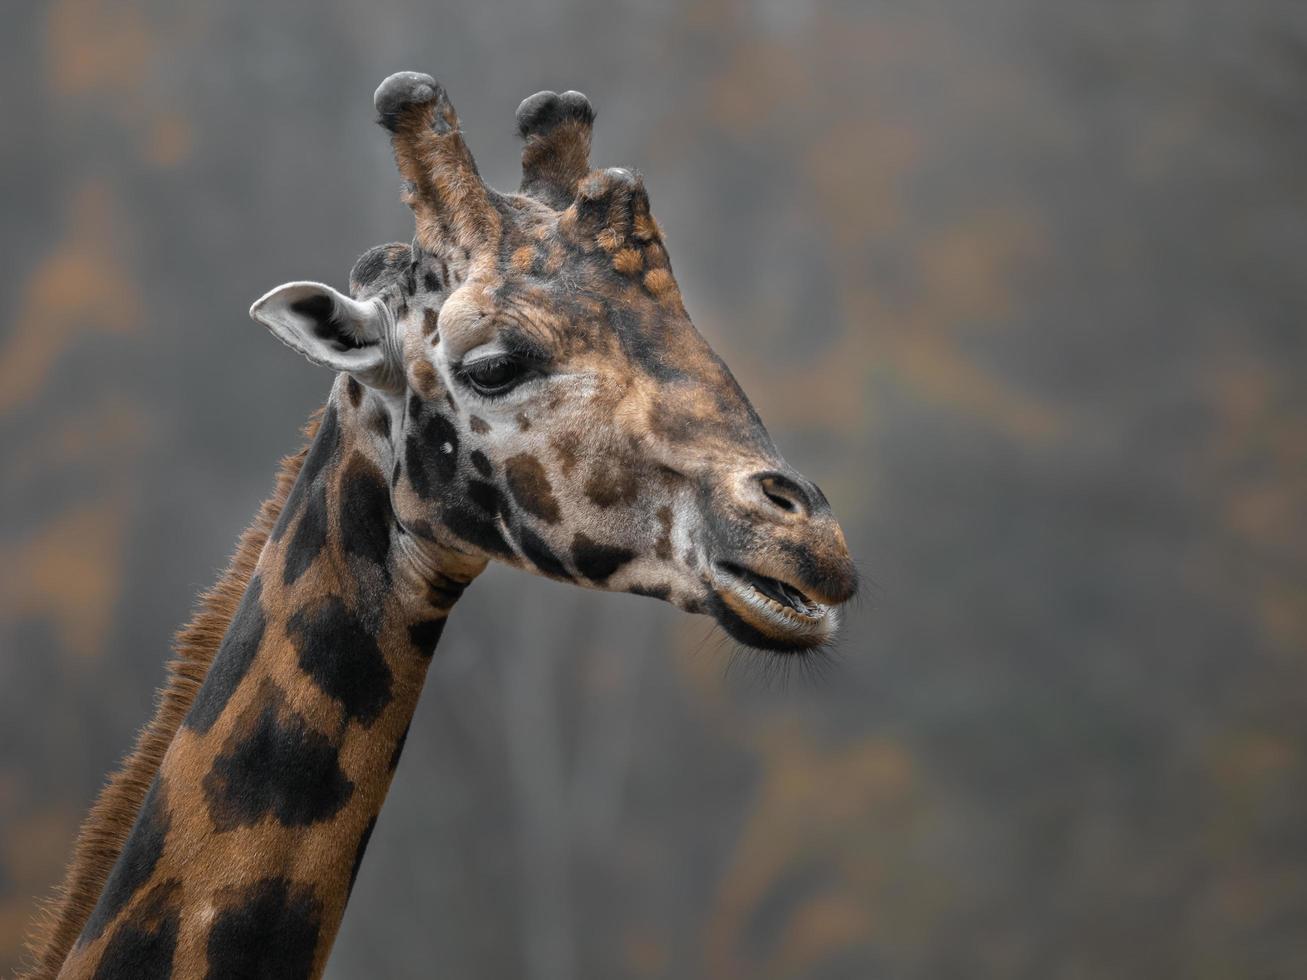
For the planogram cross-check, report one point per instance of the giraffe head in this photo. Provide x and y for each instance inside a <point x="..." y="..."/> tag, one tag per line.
<point x="539" y="393"/>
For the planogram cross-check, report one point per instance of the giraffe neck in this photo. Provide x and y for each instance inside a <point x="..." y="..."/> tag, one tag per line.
<point x="244" y="852"/>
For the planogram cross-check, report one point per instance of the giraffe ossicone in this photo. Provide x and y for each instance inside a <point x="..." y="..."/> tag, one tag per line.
<point x="520" y="383"/>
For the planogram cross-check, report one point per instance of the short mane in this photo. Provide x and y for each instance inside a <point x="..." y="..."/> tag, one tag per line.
<point x="62" y="916"/>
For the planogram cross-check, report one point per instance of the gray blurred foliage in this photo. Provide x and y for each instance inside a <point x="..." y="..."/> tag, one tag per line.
<point x="1019" y="284"/>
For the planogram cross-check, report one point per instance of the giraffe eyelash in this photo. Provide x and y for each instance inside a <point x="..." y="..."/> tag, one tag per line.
<point x="481" y="375"/>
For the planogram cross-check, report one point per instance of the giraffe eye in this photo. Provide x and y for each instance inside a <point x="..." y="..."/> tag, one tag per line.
<point x="495" y="376"/>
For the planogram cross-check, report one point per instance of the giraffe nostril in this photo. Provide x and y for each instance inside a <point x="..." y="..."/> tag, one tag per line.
<point x="783" y="493"/>
<point x="784" y="503"/>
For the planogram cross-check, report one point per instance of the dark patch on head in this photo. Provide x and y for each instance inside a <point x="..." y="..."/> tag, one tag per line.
<point x="364" y="511"/>
<point x="529" y="484"/>
<point x="285" y="770"/>
<point x="479" y="531"/>
<point x="486" y="496"/>
<point x="540" y="555"/>
<point x="430" y="466"/>
<point x="399" y="748"/>
<point x="142" y="948"/>
<point x="478" y="425"/>
<point x="270" y="929"/>
<point x="449" y="400"/>
<point x="480" y="462"/>
<point x="342" y="657"/>
<point x="359" y="851"/>
<point x="431" y="281"/>
<point x="310" y="536"/>
<point x="595" y="561"/>
<point x="380" y="423"/>
<point x="411" y="279"/>
<point x="323" y="448"/>
<point x="425" y="635"/>
<point x="523" y="423"/>
<point x="611" y="485"/>
<point x="677" y="425"/>
<point x="135" y="864"/>
<point x="642" y="340"/>
<point x="354" y="390"/>
<point x="230" y="664"/>
<point x="430" y="322"/>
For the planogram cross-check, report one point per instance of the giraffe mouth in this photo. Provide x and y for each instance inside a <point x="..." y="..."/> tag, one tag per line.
<point x="789" y="599"/>
<point x="770" y="613"/>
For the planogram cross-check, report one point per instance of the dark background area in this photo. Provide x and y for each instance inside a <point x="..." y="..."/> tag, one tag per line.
<point x="1020" y="284"/>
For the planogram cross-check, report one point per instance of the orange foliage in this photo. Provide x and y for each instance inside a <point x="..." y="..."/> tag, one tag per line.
<point x="69" y="573"/>
<point x="81" y="288"/>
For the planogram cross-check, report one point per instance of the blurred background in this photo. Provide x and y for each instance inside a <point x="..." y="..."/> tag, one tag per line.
<point x="1021" y="285"/>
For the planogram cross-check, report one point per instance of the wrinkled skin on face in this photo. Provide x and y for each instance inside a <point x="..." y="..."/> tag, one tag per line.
<point x="544" y="399"/>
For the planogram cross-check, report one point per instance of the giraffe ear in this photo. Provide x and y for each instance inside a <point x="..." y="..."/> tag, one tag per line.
<point x="333" y="330"/>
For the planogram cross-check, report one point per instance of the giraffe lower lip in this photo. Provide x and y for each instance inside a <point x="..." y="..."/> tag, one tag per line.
<point x="785" y="621"/>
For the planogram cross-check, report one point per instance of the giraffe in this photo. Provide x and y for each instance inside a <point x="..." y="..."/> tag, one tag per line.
<point x="521" y="383"/>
